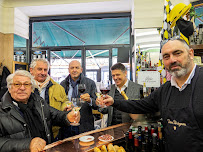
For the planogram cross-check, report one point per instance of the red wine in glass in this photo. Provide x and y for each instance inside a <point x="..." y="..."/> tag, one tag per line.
<point x="81" y="88"/>
<point x="104" y="91"/>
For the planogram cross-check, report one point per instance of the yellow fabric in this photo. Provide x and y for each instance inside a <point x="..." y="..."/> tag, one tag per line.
<point x="166" y="34"/>
<point x="57" y="99"/>
<point x="179" y="10"/>
<point x="184" y="38"/>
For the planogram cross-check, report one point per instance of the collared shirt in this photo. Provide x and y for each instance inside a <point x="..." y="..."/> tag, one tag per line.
<point x="123" y="87"/>
<point x="42" y="94"/>
<point x="188" y="81"/>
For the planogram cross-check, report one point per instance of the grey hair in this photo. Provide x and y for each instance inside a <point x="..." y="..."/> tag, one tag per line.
<point x="34" y="62"/>
<point x="25" y="73"/>
<point x="180" y="40"/>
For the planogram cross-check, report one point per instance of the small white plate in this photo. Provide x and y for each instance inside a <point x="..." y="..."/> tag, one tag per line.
<point x="86" y="138"/>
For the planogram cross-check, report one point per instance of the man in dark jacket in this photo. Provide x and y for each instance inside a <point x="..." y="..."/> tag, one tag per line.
<point x="179" y="101"/>
<point x="71" y="87"/>
<point x="26" y="119"/>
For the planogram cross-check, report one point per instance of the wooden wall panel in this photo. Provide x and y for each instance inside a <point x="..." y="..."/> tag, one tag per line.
<point x="9" y="51"/>
<point x="6" y="50"/>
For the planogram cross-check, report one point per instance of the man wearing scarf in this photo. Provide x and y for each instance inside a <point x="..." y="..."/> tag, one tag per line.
<point x="53" y="93"/>
<point x="26" y="118"/>
<point x="70" y="84"/>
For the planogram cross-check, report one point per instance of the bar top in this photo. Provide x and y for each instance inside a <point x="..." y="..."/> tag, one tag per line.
<point x="73" y="144"/>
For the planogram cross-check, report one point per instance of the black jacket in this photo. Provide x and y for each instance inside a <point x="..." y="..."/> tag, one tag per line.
<point x="3" y="83"/>
<point x="14" y="132"/>
<point x="86" y="120"/>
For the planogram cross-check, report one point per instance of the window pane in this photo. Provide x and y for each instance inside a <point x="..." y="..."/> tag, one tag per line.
<point x="82" y="32"/>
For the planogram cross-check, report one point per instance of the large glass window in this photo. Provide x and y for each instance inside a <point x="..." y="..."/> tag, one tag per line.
<point x="20" y="49"/>
<point x="81" y="32"/>
<point x="87" y="38"/>
<point x="59" y="61"/>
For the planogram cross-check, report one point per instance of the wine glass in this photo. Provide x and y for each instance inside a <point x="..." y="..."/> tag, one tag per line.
<point x="69" y="104"/>
<point x="77" y="105"/>
<point x="105" y="87"/>
<point x="81" y="89"/>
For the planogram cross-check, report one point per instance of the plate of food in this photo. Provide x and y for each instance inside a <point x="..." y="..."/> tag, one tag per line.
<point x="106" y="138"/>
<point x="86" y="138"/>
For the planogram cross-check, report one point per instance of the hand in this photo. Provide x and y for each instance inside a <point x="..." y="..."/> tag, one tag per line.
<point x="85" y="97"/>
<point x="68" y="108"/>
<point x="108" y="100"/>
<point x="99" y="102"/>
<point x="73" y="116"/>
<point x="37" y="144"/>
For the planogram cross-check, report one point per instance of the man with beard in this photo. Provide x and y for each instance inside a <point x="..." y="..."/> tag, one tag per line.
<point x="70" y="85"/>
<point x="179" y="101"/>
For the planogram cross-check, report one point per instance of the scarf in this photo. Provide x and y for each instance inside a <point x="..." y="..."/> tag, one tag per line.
<point x="41" y="85"/>
<point x="74" y="85"/>
<point x="32" y="118"/>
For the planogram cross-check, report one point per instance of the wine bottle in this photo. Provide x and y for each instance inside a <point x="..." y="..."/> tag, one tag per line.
<point x="154" y="141"/>
<point x="136" y="144"/>
<point x="141" y="93"/>
<point x="139" y="133"/>
<point x="127" y="141"/>
<point x="160" y="141"/>
<point x="144" y="90"/>
<point x="131" y="141"/>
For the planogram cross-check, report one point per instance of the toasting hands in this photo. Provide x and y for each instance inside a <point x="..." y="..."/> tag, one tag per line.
<point x="104" y="100"/>
<point x="73" y="116"/>
<point x="85" y="97"/>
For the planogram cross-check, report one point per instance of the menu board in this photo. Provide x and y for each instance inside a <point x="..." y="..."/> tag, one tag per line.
<point x="151" y="78"/>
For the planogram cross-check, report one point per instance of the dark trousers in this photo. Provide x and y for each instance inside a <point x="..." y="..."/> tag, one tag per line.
<point x="69" y="131"/>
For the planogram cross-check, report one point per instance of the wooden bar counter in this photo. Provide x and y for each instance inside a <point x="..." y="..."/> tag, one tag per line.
<point x="72" y="144"/>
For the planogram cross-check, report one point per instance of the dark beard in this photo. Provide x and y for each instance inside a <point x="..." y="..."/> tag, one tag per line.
<point x="180" y="72"/>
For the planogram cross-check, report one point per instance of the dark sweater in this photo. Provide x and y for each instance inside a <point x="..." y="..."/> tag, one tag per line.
<point x="157" y="99"/>
<point x="117" y="114"/>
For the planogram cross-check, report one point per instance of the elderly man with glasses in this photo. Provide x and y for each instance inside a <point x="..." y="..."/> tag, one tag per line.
<point x="180" y="100"/>
<point x="26" y="118"/>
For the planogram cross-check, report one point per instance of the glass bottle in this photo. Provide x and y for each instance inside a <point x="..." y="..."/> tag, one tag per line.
<point x="144" y="90"/>
<point x="154" y="141"/>
<point x="127" y="141"/>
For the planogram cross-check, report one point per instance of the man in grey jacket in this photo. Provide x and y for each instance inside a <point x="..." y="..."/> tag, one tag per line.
<point x="26" y="119"/>
<point x="122" y="85"/>
<point x="71" y="88"/>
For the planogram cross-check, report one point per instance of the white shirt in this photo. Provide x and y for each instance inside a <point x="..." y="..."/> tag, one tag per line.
<point x="188" y="81"/>
<point x="123" y="87"/>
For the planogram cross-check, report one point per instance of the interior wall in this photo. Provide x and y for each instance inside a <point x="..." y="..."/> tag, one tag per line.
<point x="148" y="13"/>
<point x="21" y="3"/>
<point x="1" y="17"/>
<point x="21" y="24"/>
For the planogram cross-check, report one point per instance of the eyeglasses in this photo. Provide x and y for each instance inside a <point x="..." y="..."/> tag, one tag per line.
<point x="18" y="85"/>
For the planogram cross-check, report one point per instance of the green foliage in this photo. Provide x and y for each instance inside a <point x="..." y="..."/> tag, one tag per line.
<point x="193" y="13"/>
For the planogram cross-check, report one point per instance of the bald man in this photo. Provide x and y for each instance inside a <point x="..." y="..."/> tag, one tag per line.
<point x="70" y="85"/>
